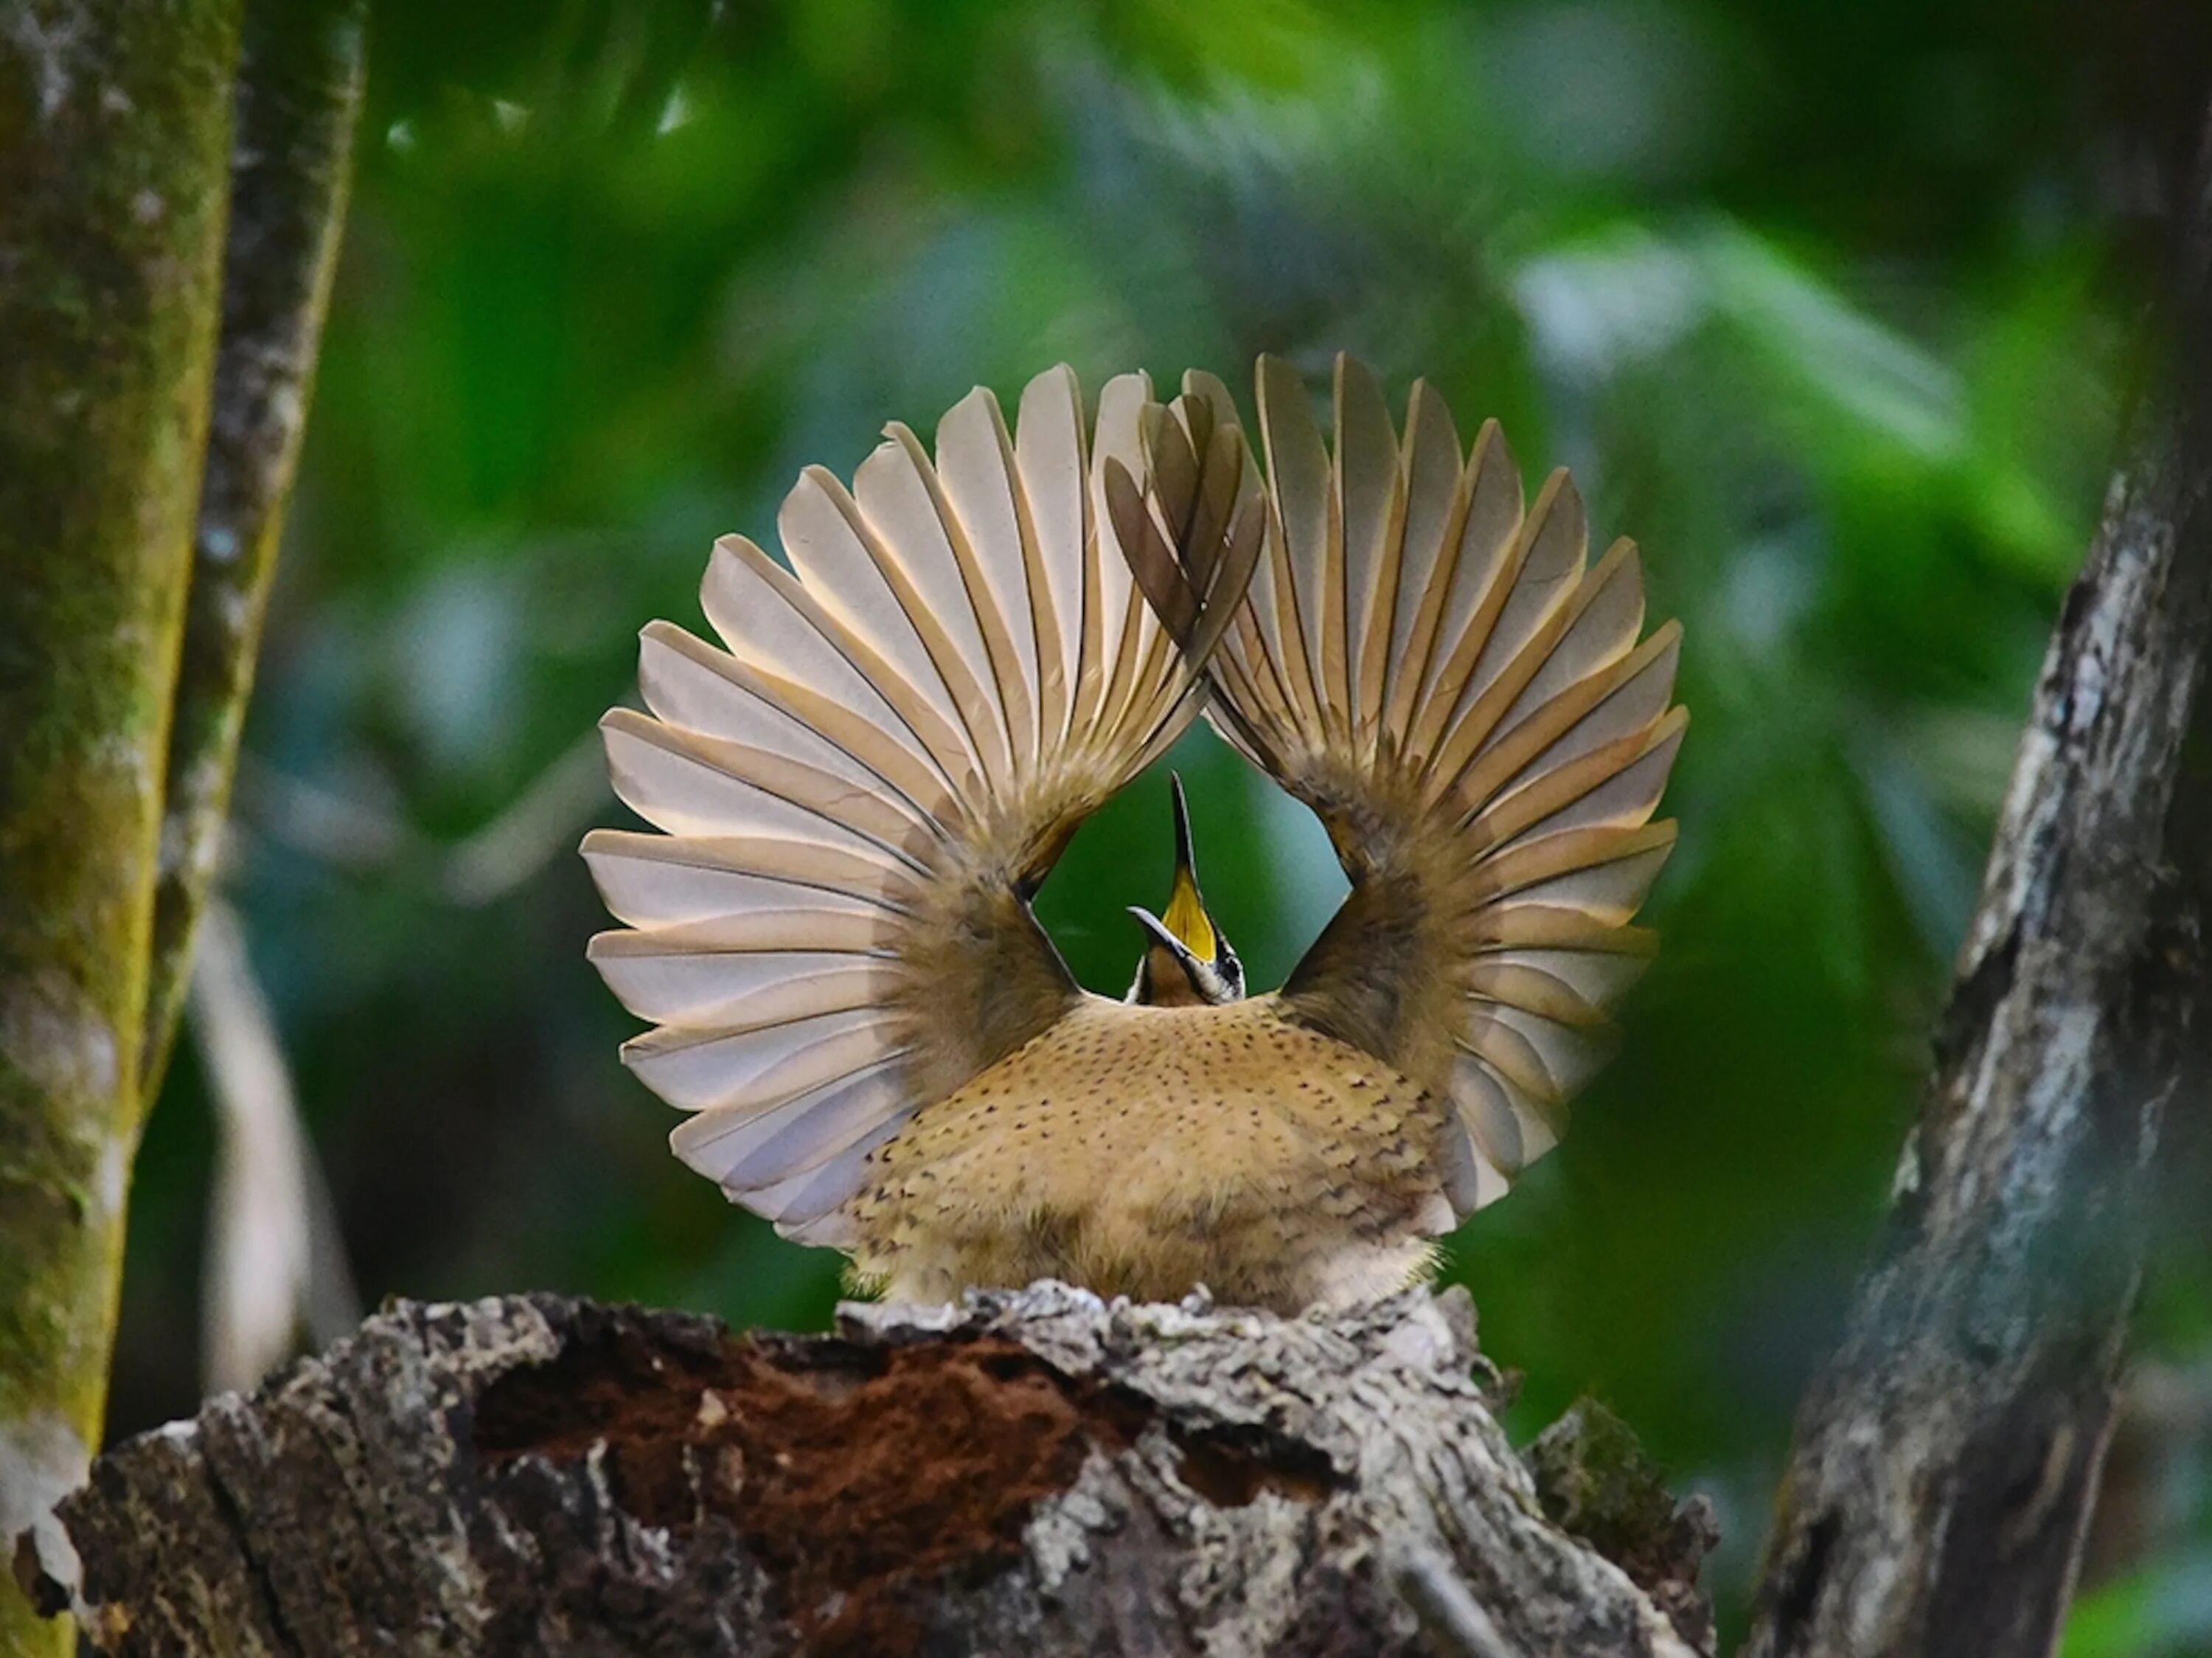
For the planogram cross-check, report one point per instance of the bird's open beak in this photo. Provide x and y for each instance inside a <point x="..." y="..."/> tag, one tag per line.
<point x="1163" y="935"/>
<point x="1186" y="918"/>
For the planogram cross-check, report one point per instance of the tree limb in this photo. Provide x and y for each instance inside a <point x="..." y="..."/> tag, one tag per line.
<point x="298" y="96"/>
<point x="1038" y="1473"/>
<point x="114" y="150"/>
<point x="274" y="1278"/>
<point x="1947" y="1459"/>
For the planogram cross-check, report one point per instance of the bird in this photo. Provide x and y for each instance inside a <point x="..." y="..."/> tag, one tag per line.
<point x="861" y="791"/>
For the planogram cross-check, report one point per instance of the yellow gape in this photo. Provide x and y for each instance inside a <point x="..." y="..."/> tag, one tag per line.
<point x="879" y="1047"/>
<point x="1186" y="916"/>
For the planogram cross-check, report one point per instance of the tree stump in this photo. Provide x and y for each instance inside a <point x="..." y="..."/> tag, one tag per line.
<point x="1037" y="1471"/>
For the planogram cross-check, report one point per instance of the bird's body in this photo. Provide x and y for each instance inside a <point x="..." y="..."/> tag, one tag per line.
<point x="1140" y="1150"/>
<point x="969" y="653"/>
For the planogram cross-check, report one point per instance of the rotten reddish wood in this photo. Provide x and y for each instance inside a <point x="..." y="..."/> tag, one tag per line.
<point x="1038" y="1472"/>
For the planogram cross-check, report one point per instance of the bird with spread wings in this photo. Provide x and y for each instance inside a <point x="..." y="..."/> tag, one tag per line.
<point x="964" y="655"/>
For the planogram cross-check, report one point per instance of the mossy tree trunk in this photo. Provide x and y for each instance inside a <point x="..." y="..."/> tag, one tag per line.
<point x="298" y="92"/>
<point x="115" y="141"/>
<point x="117" y="150"/>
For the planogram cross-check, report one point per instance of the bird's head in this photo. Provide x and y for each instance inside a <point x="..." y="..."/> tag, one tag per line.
<point x="1187" y="962"/>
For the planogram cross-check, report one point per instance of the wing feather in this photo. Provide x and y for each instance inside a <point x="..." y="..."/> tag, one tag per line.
<point x="862" y="874"/>
<point x="687" y="783"/>
<point x="759" y="1066"/>
<point x="809" y="1206"/>
<point x="981" y="505"/>
<point x="781" y="638"/>
<point x="794" y="1135"/>
<point x="1483" y="568"/>
<point x="835" y="541"/>
<point x="1050" y="453"/>
<point x="1533" y="609"/>
<point x="892" y="490"/>
<point x="1436" y="502"/>
<point x="863" y="791"/>
<point x="664" y="893"/>
<point x="691" y="685"/>
<point x="1299" y="477"/>
<point x="683" y="984"/>
<point x="1435" y="668"/>
<point x="1370" y="505"/>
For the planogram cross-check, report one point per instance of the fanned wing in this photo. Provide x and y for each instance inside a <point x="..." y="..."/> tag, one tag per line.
<point x="860" y="792"/>
<point x="1434" y="667"/>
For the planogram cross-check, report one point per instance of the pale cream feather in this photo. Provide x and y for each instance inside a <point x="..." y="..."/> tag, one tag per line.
<point x="1466" y="703"/>
<point x="862" y="790"/>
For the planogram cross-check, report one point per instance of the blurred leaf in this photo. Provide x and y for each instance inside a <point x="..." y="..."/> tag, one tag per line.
<point x="2163" y="1611"/>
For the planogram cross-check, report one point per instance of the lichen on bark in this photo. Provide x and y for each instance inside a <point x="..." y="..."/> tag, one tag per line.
<point x="115" y="143"/>
<point x="298" y="93"/>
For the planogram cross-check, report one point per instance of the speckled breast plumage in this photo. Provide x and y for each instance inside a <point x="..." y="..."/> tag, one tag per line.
<point x="1139" y="1151"/>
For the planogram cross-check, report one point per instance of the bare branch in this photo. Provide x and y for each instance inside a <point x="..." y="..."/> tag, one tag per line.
<point x="275" y="1269"/>
<point x="298" y="92"/>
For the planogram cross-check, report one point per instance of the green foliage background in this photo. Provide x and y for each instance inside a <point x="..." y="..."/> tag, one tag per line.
<point x="1819" y="302"/>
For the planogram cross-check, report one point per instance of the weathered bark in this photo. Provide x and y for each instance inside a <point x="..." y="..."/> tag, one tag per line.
<point x="114" y="148"/>
<point x="298" y="93"/>
<point x="1036" y="1474"/>
<point x="1947" y="1459"/>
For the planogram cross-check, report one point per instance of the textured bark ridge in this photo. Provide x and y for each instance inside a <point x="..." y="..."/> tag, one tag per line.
<point x="1036" y="1472"/>
<point x="296" y="97"/>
